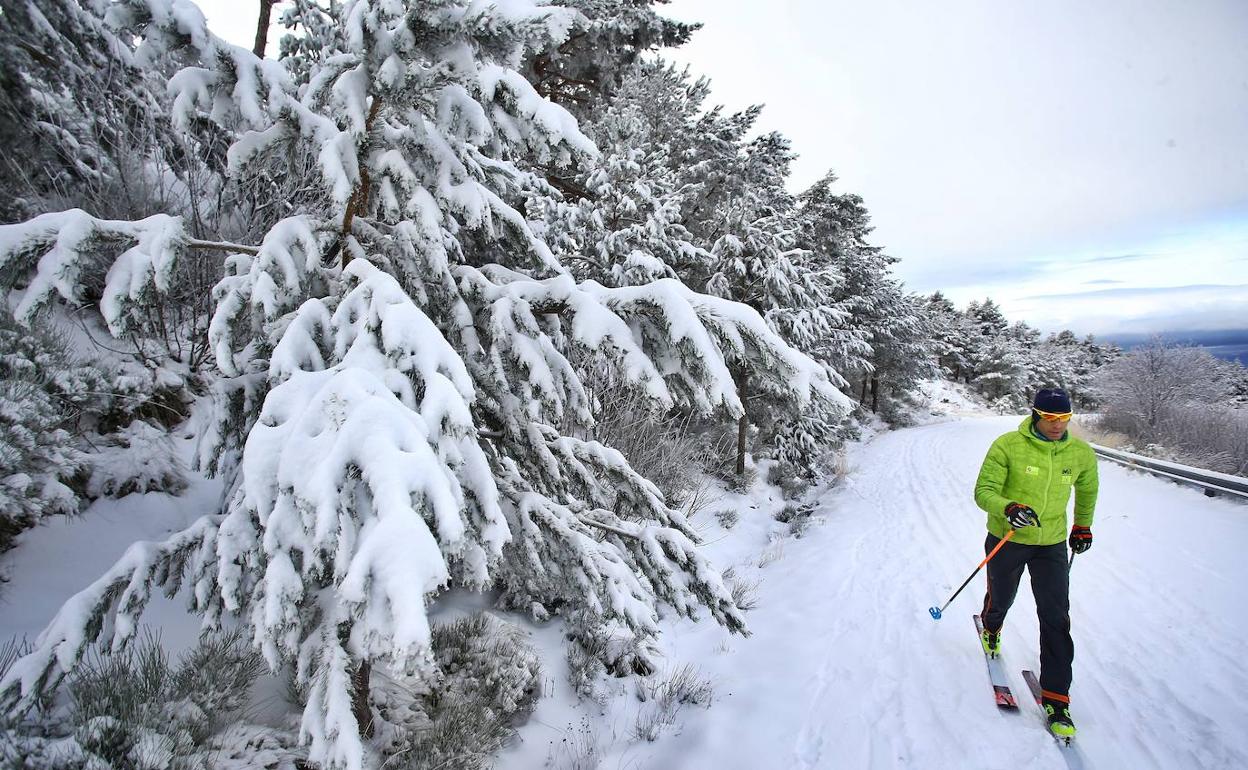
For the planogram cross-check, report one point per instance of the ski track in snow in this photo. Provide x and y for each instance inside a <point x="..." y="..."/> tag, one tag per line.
<point x="846" y="669"/>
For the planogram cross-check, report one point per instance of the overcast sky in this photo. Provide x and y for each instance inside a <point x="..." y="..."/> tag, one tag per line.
<point x="1083" y="163"/>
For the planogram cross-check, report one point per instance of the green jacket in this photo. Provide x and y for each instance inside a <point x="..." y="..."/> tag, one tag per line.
<point x="1023" y="468"/>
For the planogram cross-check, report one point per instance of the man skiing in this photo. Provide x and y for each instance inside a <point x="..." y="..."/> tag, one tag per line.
<point x="1025" y="484"/>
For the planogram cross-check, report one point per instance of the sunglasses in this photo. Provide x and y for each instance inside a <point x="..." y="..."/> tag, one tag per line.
<point x="1059" y="416"/>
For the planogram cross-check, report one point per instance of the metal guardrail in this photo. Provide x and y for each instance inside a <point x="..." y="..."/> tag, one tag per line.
<point x="1211" y="482"/>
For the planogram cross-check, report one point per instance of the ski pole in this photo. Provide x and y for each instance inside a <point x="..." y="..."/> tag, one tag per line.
<point x="936" y="612"/>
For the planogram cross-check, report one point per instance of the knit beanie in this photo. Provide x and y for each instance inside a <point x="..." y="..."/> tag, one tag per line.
<point x="1052" y="400"/>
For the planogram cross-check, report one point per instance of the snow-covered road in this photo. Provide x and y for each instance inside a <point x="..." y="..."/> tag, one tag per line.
<point x="846" y="669"/>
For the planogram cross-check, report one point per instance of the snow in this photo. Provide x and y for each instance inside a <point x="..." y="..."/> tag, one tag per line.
<point x="63" y="555"/>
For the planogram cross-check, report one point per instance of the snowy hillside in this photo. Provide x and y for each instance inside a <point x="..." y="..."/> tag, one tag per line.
<point x="844" y="667"/>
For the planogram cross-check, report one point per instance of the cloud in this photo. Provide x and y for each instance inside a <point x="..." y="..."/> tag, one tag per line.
<point x="1148" y="293"/>
<point x="1136" y="310"/>
<point x="1121" y="258"/>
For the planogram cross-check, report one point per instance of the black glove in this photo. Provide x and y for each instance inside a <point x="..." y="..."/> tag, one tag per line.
<point x="1020" y="516"/>
<point x="1080" y="538"/>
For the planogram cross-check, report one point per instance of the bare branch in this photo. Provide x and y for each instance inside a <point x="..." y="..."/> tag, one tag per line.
<point x="195" y="243"/>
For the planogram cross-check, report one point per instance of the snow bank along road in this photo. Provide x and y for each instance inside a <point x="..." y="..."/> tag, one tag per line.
<point x="846" y="669"/>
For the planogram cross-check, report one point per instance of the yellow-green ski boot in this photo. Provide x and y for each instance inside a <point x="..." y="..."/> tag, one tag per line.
<point x="1060" y="723"/>
<point x="991" y="642"/>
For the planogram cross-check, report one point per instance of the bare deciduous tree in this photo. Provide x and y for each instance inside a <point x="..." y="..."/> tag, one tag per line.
<point x="1142" y="385"/>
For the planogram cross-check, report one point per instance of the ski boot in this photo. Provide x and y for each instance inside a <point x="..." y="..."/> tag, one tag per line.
<point x="991" y="640"/>
<point x="1060" y="723"/>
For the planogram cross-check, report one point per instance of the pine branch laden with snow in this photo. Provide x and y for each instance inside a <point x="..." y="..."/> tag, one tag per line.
<point x="110" y="606"/>
<point x="54" y="249"/>
<point x="358" y="393"/>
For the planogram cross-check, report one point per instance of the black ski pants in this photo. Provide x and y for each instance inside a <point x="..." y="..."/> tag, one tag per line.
<point x="1050" y="584"/>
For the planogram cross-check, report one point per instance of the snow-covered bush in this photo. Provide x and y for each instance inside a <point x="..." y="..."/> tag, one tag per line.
<point x="793" y="482"/>
<point x="68" y="429"/>
<point x="798" y="517"/>
<point x="135" y="710"/>
<point x="585" y="668"/>
<point x="665" y="696"/>
<point x="487" y="680"/>
<point x="39" y="458"/>
<point x="745" y="592"/>
<point x="242" y="746"/>
<point x="136" y="459"/>
<point x="672" y="450"/>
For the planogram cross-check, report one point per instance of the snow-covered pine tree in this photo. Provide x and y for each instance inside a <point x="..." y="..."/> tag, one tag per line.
<point x="608" y="38"/>
<point x="396" y="355"/>
<point x="756" y="259"/>
<point x="72" y="102"/>
<point x="1066" y="360"/>
<point x="951" y="335"/>
<point x="901" y="346"/>
<point x="663" y="163"/>
<point x="1001" y="361"/>
<point x="880" y="344"/>
<point x="625" y="230"/>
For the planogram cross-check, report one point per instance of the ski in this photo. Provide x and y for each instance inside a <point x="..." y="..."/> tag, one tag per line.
<point x="996" y="674"/>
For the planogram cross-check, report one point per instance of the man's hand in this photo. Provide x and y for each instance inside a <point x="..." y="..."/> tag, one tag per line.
<point x="1019" y="516"/>
<point x="1080" y="538"/>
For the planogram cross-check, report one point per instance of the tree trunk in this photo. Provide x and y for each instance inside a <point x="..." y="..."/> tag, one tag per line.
<point x="262" y="27"/>
<point x="360" y="708"/>
<point x="743" y="425"/>
<point x="875" y="394"/>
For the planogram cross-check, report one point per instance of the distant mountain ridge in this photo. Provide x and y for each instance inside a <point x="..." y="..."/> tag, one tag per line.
<point x="1228" y="344"/>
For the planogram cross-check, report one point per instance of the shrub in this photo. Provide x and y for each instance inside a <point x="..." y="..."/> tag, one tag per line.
<point x="798" y="517"/>
<point x="133" y="710"/>
<point x="487" y="678"/>
<point x="585" y="666"/>
<point x="39" y="459"/>
<point x="792" y="482"/>
<point x="138" y="458"/>
<point x="665" y="697"/>
<point x="660" y="448"/>
<point x="745" y="593"/>
<point x="1175" y="398"/>
<point x="672" y="450"/>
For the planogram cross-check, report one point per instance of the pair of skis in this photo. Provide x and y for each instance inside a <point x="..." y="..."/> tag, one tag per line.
<point x="1001" y="685"/>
